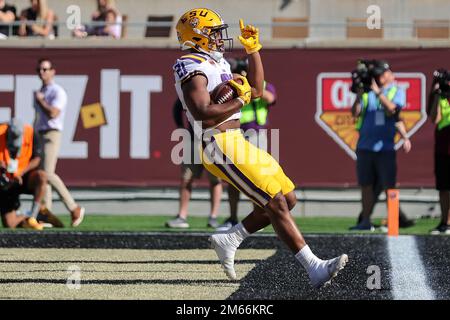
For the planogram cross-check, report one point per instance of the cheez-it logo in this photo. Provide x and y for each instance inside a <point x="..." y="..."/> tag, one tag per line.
<point x="334" y="103"/>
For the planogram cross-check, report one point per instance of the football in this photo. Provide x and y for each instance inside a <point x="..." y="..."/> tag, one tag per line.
<point x="223" y="93"/>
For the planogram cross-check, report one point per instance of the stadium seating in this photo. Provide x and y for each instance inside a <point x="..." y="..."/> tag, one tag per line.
<point x="298" y="29"/>
<point x="159" y="30"/>
<point x="356" y="28"/>
<point x="56" y="26"/>
<point x="295" y="20"/>
<point x="432" y="29"/>
<point x="124" y="26"/>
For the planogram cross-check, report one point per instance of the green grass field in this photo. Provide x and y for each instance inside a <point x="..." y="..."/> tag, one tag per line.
<point x="141" y="223"/>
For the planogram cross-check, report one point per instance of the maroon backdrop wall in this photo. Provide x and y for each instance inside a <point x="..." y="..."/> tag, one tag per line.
<point x="307" y="153"/>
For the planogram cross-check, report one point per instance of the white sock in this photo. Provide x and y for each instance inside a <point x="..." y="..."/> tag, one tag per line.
<point x="308" y="259"/>
<point x="35" y="209"/>
<point x="237" y="234"/>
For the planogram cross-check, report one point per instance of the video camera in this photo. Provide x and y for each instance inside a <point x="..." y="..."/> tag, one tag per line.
<point x="365" y="71"/>
<point x="239" y="65"/>
<point x="442" y="77"/>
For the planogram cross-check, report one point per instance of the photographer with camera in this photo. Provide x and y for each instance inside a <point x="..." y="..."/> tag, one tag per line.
<point x="19" y="174"/>
<point x="376" y="107"/>
<point x="438" y="110"/>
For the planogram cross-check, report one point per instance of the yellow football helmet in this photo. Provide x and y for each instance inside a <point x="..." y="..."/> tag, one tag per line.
<point x="201" y="29"/>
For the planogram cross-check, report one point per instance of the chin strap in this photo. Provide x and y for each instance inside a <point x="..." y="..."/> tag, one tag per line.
<point x="217" y="56"/>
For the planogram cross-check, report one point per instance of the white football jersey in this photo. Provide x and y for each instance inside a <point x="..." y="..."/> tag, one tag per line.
<point x="193" y="64"/>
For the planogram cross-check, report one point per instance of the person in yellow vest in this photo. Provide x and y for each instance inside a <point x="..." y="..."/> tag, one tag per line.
<point x="190" y="172"/>
<point x="404" y="221"/>
<point x="254" y="117"/>
<point x="20" y="174"/>
<point x="438" y="110"/>
<point x="377" y="113"/>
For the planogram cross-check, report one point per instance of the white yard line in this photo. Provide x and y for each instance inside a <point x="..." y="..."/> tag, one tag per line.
<point x="408" y="273"/>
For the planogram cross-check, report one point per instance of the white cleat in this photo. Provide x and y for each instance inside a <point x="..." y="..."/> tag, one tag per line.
<point x="225" y="251"/>
<point x="327" y="271"/>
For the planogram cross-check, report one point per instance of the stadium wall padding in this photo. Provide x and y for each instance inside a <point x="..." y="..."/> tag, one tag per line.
<point x="307" y="152"/>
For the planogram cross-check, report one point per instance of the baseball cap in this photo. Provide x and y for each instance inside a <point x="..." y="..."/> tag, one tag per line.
<point x="380" y="67"/>
<point x="15" y="133"/>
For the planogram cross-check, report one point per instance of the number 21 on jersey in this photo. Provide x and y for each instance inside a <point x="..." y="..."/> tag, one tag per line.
<point x="180" y="69"/>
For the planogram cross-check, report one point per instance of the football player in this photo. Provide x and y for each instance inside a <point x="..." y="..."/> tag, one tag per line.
<point x="225" y="151"/>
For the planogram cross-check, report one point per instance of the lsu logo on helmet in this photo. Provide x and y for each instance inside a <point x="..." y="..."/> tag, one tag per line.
<point x="203" y="30"/>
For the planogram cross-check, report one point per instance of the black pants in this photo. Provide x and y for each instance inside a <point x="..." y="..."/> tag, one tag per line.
<point x="10" y="198"/>
<point x="376" y="168"/>
<point x="442" y="171"/>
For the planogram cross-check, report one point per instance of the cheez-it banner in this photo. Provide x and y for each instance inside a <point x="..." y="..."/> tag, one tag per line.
<point x="335" y="100"/>
<point x="128" y="138"/>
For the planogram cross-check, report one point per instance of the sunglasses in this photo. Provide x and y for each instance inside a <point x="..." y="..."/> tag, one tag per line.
<point x="43" y="69"/>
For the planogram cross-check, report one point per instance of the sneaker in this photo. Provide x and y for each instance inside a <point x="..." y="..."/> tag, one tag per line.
<point x="31" y="223"/>
<point x="46" y="217"/>
<point x="363" y="227"/>
<point x="327" y="270"/>
<point x="46" y="225"/>
<point x="405" y="222"/>
<point x="77" y="216"/>
<point x="225" y="251"/>
<point x="441" y="229"/>
<point x="212" y="222"/>
<point x="178" y="222"/>
<point x="228" y="224"/>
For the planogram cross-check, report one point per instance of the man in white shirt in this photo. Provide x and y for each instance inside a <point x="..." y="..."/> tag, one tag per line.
<point x="50" y="106"/>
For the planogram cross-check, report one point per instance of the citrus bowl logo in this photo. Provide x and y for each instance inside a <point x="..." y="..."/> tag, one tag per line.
<point x="335" y="100"/>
